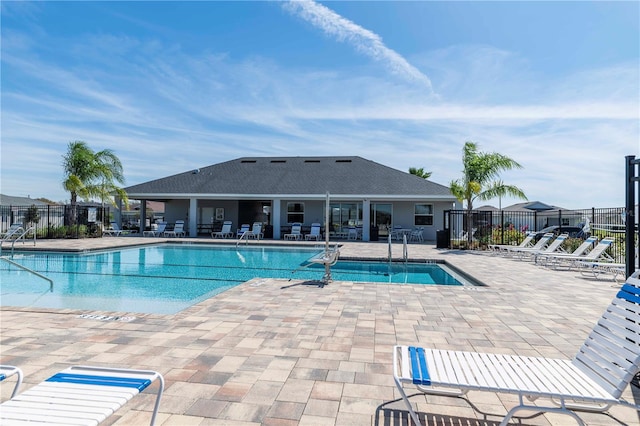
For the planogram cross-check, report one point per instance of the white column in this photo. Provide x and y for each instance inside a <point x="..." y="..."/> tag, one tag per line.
<point x="143" y="215"/>
<point x="275" y="218"/>
<point x="366" y="220"/>
<point x="193" y="217"/>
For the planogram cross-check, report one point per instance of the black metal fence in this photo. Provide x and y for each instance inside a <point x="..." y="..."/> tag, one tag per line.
<point x="54" y="221"/>
<point x="511" y="227"/>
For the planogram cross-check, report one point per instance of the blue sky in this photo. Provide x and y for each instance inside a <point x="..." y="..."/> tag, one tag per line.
<point x="173" y="86"/>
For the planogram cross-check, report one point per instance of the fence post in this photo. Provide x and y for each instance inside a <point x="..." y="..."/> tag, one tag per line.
<point x="630" y="222"/>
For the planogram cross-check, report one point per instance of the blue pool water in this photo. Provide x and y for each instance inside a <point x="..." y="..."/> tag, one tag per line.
<point x="169" y="278"/>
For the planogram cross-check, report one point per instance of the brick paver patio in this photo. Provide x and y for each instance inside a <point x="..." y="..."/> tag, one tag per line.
<point x="279" y="352"/>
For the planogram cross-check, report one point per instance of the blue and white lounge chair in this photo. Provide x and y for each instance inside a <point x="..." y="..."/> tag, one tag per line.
<point x="79" y="395"/>
<point x="296" y="232"/>
<point x="243" y="228"/>
<point x="315" y="233"/>
<point x="592" y="381"/>
<point x="225" y="232"/>
<point x="7" y="371"/>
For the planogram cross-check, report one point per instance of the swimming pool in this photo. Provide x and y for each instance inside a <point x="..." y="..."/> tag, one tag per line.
<point x="166" y="279"/>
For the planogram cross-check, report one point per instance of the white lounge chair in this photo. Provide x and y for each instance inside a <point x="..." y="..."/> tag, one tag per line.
<point x="14" y="231"/>
<point x="295" y="233"/>
<point x="114" y="231"/>
<point x="225" y="232"/>
<point x="592" y="381"/>
<point x="315" y="233"/>
<point x="554" y="247"/>
<point x="155" y="232"/>
<point x="79" y="395"/>
<point x="569" y="260"/>
<point x="243" y="228"/>
<point x="7" y="371"/>
<point x="540" y="245"/>
<point x="256" y="231"/>
<point x="527" y="242"/>
<point x="587" y="244"/>
<point x="177" y="231"/>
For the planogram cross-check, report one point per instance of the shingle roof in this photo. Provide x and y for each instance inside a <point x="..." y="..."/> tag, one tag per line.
<point x="256" y="176"/>
<point x="8" y="200"/>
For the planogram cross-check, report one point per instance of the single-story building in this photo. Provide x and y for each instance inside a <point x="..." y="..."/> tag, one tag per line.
<point x="279" y="191"/>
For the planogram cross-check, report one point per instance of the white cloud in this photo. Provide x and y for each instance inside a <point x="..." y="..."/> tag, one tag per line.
<point x="365" y="41"/>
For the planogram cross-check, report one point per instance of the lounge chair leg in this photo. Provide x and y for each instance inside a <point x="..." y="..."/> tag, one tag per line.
<point x="413" y="414"/>
<point x="522" y="406"/>
<point x="159" y="395"/>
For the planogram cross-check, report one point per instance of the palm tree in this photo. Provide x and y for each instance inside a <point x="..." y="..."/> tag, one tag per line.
<point x="419" y="172"/>
<point x="90" y="174"/>
<point x="481" y="179"/>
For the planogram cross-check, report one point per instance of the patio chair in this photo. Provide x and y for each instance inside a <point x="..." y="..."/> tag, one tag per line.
<point x="13" y="231"/>
<point x="155" y="232"/>
<point x="555" y="247"/>
<point x="256" y="231"/>
<point x="177" y="231"/>
<point x="543" y="258"/>
<point x="598" y="254"/>
<point x="315" y="233"/>
<point x="295" y="233"/>
<point x="527" y="242"/>
<point x="593" y="380"/>
<point x="7" y="371"/>
<point x="243" y="228"/>
<point x="225" y="232"/>
<point x="352" y="234"/>
<point x="79" y="395"/>
<point x="540" y="245"/>
<point x="417" y="235"/>
<point x="114" y="231"/>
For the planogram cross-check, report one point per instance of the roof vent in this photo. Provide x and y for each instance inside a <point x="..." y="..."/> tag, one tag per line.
<point x="343" y="161"/>
<point x="195" y="172"/>
<point x="248" y="161"/>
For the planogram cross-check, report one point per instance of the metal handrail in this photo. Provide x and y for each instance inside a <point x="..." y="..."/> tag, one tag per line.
<point x="405" y="249"/>
<point x="13" y="237"/>
<point x="244" y="234"/>
<point x="390" y="257"/>
<point x="29" y="270"/>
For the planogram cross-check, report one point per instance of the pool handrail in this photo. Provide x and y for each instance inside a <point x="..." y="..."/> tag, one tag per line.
<point x="6" y="259"/>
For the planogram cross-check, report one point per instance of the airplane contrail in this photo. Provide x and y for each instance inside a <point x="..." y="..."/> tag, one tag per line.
<point x="362" y="39"/>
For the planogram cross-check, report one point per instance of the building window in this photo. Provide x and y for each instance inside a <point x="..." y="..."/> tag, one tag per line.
<point x="423" y="215"/>
<point x="295" y="212"/>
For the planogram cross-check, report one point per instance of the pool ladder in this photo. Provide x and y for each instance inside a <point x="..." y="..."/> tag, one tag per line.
<point x="405" y="249"/>
<point x="244" y="235"/>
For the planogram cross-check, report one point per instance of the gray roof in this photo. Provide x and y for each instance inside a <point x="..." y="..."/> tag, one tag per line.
<point x="8" y="200"/>
<point x="252" y="177"/>
<point x="529" y="206"/>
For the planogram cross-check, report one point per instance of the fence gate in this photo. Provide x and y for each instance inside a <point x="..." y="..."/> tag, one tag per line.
<point x="631" y="216"/>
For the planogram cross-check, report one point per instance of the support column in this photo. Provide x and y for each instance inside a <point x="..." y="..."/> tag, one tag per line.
<point x="193" y="217"/>
<point x="143" y="215"/>
<point x="366" y="220"/>
<point x="275" y="218"/>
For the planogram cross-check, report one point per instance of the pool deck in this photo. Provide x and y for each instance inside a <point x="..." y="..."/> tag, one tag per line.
<point x="279" y="352"/>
